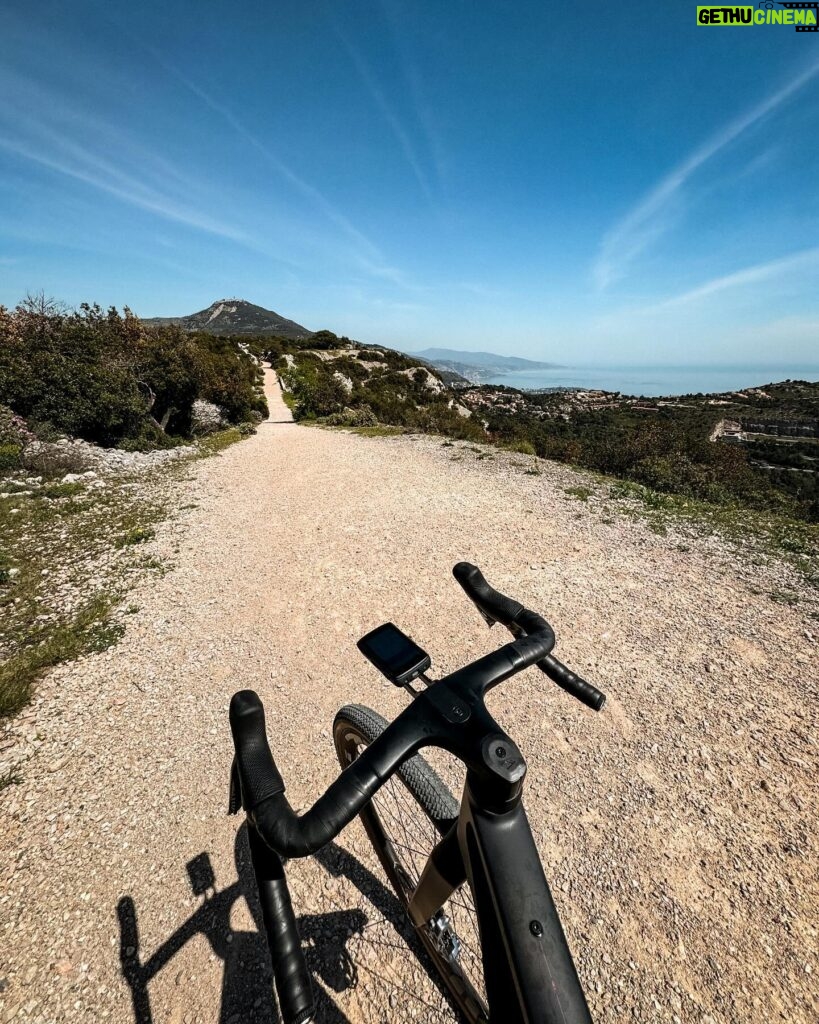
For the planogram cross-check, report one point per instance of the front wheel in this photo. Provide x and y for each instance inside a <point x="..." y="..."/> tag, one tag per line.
<point x="405" y="821"/>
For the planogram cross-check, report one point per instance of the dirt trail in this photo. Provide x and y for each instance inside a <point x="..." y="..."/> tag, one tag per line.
<point x="676" y="827"/>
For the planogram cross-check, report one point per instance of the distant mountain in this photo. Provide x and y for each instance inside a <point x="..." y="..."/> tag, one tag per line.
<point x="479" y="366"/>
<point x="236" y="316"/>
<point x="483" y="359"/>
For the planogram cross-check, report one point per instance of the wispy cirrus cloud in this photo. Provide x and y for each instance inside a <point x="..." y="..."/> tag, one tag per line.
<point x="118" y="186"/>
<point x="394" y="15"/>
<point x="36" y="125"/>
<point x="652" y="216"/>
<point x="366" y="254"/>
<point x="379" y="97"/>
<point x="785" y="265"/>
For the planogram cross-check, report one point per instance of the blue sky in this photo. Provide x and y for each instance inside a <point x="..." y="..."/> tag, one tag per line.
<point x="584" y="183"/>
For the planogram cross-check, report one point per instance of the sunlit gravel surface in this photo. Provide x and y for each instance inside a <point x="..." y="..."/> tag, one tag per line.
<point x="677" y="827"/>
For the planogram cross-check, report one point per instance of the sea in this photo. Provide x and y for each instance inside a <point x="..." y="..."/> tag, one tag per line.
<point x="655" y="381"/>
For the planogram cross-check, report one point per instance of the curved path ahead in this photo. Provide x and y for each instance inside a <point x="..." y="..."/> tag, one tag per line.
<point x="676" y="827"/>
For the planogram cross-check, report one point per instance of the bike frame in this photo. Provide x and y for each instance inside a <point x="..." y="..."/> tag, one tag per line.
<point x="528" y="969"/>
<point x="529" y="973"/>
<point x="517" y="918"/>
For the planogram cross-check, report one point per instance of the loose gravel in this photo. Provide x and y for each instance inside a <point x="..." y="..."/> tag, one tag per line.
<point x="676" y="827"/>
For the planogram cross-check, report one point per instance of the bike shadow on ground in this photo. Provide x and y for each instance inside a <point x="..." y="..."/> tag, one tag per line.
<point x="247" y="993"/>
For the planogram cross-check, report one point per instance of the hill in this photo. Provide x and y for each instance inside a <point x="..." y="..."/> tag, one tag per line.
<point x="756" y="448"/>
<point x="235" y="316"/>
<point x="483" y="359"/>
<point x="478" y="366"/>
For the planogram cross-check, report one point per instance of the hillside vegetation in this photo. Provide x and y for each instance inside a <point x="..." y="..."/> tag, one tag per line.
<point x="103" y="376"/>
<point x="114" y="380"/>
<point x="667" y="445"/>
<point x="670" y="445"/>
<point x="364" y="387"/>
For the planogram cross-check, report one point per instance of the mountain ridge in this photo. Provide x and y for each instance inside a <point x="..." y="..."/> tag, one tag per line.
<point x="491" y="359"/>
<point x="478" y="367"/>
<point x="235" y="316"/>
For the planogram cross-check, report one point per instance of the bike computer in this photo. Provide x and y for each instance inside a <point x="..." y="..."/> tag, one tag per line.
<point x="393" y="653"/>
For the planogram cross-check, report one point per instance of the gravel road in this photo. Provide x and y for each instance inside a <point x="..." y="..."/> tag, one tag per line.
<point x="677" y="827"/>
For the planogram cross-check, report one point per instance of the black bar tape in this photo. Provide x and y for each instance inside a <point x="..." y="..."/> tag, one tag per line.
<point x="571" y="683"/>
<point x="289" y="969"/>
<point x="259" y="777"/>
<point x="494" y="604"/>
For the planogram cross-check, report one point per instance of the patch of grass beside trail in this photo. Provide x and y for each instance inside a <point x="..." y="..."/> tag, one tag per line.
<point x="760" y="536"/>
<point x="91" y="629"/>
<point x="69" y="553"/>
<point x="215" y="443"/>
<point x="377" y="430"/>
<point x="136" y="535"/>
<point x="580" y="493"/>
<point x="382" y="430"/>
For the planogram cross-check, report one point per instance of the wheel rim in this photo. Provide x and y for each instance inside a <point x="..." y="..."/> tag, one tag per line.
<point x="407" y="835"/>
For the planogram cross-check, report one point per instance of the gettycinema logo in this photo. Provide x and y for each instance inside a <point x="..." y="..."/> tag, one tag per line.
<point x="803" y="16"/>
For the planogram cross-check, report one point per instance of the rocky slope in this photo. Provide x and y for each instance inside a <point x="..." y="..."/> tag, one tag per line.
<point x="236" y="317"/>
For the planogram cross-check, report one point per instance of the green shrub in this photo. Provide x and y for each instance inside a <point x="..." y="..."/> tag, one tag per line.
<point x="55" y="491"/>
<point x="794" y="543"/>
<point x="106" y="377"/>
<point x="622" y="489"/>
<point x="9" y="455"/>
<point x="361" y="417"/>
<point x="137" y="535"/>
<point x="150" y="439"/>
<point x="581" y="493"/>
<point x="13" y="429"/>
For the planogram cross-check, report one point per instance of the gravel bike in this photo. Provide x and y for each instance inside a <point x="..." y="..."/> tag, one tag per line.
<point x="468" y="873"/>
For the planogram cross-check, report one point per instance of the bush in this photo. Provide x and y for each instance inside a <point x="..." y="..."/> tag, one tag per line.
<point x="361" y="417"/>
<point x="107" y="378"/>
<point x="13" y="429"/>
<point x="137" y="535"/>
<point x="55" y="460"/>
<point x="9" y="455"/>
<point x="149" y="439"/>
<point x="206" y="417"/>
<point x="316" y="391"/>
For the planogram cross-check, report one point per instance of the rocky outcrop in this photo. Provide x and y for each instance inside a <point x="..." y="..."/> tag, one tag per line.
<point x="206" y="418"/>
<point x="73" y="456"/>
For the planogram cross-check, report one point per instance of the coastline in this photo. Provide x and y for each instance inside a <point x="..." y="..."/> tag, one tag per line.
<point x="654" y="381"/>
